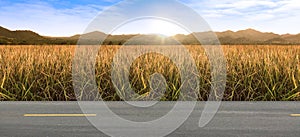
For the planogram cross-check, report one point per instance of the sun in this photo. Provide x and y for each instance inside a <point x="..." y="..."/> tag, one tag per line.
<point x="165" y="28"/>
<point x="151" y="26"/>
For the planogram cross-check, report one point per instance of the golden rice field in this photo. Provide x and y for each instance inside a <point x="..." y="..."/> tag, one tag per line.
<point x="254" y="73"/>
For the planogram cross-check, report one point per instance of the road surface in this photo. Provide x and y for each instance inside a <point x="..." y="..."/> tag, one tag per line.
<point x="234" y="119"/>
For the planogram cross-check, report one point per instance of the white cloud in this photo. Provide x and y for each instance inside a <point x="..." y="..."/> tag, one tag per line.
<point x="279" y="16"/>
<point x="246" y="4"/>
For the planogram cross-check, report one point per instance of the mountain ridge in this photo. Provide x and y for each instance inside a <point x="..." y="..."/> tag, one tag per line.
<point x="241" y="37"/>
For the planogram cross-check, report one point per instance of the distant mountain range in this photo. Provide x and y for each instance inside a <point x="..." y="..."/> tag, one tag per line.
<point x="243" y="37"/>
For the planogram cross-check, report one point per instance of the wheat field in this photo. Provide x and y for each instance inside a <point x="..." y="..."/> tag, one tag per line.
<point x="254" y="73"/>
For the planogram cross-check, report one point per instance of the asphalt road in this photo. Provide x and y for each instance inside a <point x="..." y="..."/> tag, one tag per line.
<point x="233" y="119"/>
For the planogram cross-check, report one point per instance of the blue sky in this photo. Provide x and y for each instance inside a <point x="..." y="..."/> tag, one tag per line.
<point x="66" y="18"/>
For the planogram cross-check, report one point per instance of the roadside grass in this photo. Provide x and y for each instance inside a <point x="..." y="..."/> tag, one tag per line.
<point x="254" y="73"/>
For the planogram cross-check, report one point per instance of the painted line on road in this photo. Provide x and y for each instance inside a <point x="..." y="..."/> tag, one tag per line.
<point x="60" y="115"/>
<point x="295" y="115"/>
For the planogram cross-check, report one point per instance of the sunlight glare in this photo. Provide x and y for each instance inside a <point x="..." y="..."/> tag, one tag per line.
<point x="150" y="26"/>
